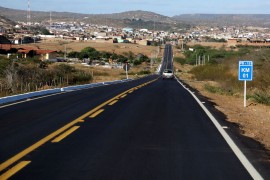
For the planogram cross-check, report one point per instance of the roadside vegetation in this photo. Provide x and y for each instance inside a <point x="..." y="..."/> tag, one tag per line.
<point x="29" y="75"/>
<point x="221" y="66"/>
<point x="92" y="54"/>
<point x="25" y="75"/>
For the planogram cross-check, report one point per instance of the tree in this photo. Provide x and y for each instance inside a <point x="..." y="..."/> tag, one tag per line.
<point x="114" y="56"/>
<point x="106" y="55"/>
<point x="11" y="77"/>
<point x="4" y="63"/>
<point x="45" y="31"/>
<point x="122" y="59"/>
<point x="89" y="52"/>
<point x="74" y="54"/>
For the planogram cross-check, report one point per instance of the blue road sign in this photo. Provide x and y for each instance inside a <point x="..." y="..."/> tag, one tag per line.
<point x="245" y="71"/>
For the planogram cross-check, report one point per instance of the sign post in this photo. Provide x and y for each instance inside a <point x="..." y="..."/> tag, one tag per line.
<point x="245" y="73"/>
<point x="126" y="67"/>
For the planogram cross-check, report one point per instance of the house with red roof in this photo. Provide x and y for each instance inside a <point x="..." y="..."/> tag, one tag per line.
<point x="46" y="54"/>
<point x="41" y="54"/>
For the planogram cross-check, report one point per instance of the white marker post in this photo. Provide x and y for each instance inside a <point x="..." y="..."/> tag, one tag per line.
<point x="127" y="70"/>
<point x="245" y="93"/>
<point x="245" y="73"/>
<point x="126" y="67"/>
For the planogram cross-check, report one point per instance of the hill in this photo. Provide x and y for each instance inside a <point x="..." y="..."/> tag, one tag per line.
<point x="6" y="23"/>
<point x="262" y="20"/>
<point x="20" y="15"/>
<point x="135" y="19"/>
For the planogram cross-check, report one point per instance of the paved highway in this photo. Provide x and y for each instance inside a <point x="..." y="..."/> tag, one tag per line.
<point x="167" y="62"/>
<point x="144" y="129"/>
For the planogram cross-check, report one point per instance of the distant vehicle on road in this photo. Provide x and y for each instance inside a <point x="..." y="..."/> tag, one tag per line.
<point x="167" y="74"/>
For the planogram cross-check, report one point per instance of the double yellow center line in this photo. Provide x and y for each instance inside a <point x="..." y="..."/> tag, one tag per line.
<point x="59" y="134"/>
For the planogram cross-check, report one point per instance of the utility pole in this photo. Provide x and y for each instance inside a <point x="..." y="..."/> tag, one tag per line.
<point x="65" y="55"/>
<point x="28" y="14"/>
<point x="50" y="20"/>
<point x="182" y="45"/>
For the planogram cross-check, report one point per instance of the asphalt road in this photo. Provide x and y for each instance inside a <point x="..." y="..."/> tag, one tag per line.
<point x="167" y="62"/>
<point x="145" y="129"/>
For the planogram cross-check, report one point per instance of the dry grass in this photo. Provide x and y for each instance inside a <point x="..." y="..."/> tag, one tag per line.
<point x="216" y="45"/>
<point x="108" y="46"/>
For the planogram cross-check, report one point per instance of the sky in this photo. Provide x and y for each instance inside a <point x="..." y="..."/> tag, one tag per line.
<point x="165" y="7"/>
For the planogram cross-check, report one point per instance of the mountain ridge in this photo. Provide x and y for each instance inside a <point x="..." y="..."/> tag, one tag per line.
<point x="226" y="19"/>
<point x="140" y="18"/>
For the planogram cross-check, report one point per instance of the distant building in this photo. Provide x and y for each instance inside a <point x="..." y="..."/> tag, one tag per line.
<point x="128" y="30"/>
<point x="41" y="54"/>
<point x="144" y="30"/>
<point x="46" y="54"/>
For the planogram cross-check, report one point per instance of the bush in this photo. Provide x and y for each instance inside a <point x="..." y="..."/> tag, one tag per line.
<point x="4" y="63"/>
<point x="82" y="77"/>
<point x="101" y="74"/>
<point x="214" y="72"/>
<point x="64" y="69"/>
<point x="261" y="97"/>
<point x="217" y="90"/>
<point x="180" y="60"/>
<point x="144" y="72"/>
<point x="262" y="77"/>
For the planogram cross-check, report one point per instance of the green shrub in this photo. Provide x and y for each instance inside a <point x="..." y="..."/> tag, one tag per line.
<point x="217" y="90"/>
<point x="101" y="74"/>
<point x="261" y="97"/>
<point x="180" y="60"/>
<point x="4" y="63"/>
<point x="144" y="72"/>
<point x="212" y="72"/>
<point x="82" y="77"/>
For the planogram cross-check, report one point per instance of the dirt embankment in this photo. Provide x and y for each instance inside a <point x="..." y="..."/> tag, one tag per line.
<point x="253" y="120"/>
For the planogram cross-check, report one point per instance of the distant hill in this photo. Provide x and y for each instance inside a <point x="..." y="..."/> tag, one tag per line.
<point x="135" y="19"/>
<point x="143" y="15"/>
<point x="37" y="16"/>
<point x="6" y="23"/>
<point x="21" y="15"/>
<point x="143" y="19"/>
<point x="262" y="20"/>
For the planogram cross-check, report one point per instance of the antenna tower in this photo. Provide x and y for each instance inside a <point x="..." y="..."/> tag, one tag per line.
<point x="28" y="14"/>
<point x="50" y="20"/>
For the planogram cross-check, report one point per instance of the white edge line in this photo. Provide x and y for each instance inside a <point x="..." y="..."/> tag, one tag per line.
<point x="31" y="99"/>
<point x="53" y="94"/>
<point x="243" y="159"/>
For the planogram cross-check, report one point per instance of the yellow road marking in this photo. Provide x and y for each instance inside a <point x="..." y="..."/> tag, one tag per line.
<point x="14" y="170"/>
<point x="81" y="121"/>
<point x="65" y="134"/>
<point x="112" y="103"/>
<point x="123" y="96"/>
<point x="96" y="113"/>
<point x="130" y="91"/>
<point x="36" y="145"/>
<point x="26" y="151"/>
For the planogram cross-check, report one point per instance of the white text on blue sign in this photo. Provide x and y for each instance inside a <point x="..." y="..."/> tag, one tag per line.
<point x="245" y="70"/>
